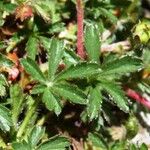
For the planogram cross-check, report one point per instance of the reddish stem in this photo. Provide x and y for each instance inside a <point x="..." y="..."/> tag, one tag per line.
<point x="80" y="17"/>
<point x="137" y="97"/>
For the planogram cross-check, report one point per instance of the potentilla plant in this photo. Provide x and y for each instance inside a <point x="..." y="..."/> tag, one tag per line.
<point x="50" y="74"/>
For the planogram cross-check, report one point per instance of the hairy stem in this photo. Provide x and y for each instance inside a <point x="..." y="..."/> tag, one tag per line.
<point x="80" y="17"/>
<point x="137" y="97"/>
<point x="24" y="124"/>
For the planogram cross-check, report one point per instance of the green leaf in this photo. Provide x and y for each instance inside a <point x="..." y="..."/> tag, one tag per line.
<point x="70" y="58"/>
<point x="5" y="119"/>
<point x="55" y="55"/>
<point x="92" y="42"/>
<point x="80" y="70"/>
<point x="32" y="47"/>
<point x="132" y="147"/>
<point x="3" y="80"/>
<point x="119" y="145"/>
<point x="121" y="66"/>
<point x="2" y="90"/>
<point x="5" y="62"/>
<point x="143" y="147"/>
<point x="116" y="92"/>
<point x="13" y="41"/>
<point x="97" y="140"/>
<point x="132" y="127"/>
<point x="71" y="93"/>
<point x="21" y="146"/>
<point x="46" y="42"/>
<point x="51" y="102"/>
<point x="95" y="102"/>
<point x="38" y="89"/>
<point x="33" y="69"/>
<point x="108" y="14"/>
<point x="36" y="135"/>
<point x="17" y="97"/>
<point x="56" y="143"/>
<point x="41" y="12"/>
<point x="144" y="87"/>
<point x="3" y="84"/>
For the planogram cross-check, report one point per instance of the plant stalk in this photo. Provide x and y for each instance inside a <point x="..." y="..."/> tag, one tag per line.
<point x="137" y="97"/>
<point x="80" y="17"/>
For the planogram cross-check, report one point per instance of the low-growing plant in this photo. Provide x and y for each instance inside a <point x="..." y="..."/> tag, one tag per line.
<point x="50" y="90"/>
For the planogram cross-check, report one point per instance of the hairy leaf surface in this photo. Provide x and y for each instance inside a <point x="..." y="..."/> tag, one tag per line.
<point x="32" y="47"/>
<point x="71" y="93"/>
<point x="35" y="136"/>
<point x="56" y="143"/>
<point x="51" y="102"/>
<point x="120" y="67"/>
<point x="95" y="102"/>
<point x="33" y="69"/>
<point x="116" y="92"/>
<point x="55" y="55"/>
<point x="92" y="42"/>
<point x="81" y="70"/>
<point x="5" y="119"/>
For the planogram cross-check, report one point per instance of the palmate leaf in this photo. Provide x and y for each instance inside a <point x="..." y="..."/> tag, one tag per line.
<point x="55" y="55"/>
<point x="116" y="92"/>
<point x="80" y="70"/>
<point x="32" y="47"/>
<point x="71" y="93"/>
<point x="92" y="42"/>
<point x="51" y="102"/>
<point x="33" y="69"/>
<point x="95" y="102"/>
<point x="56" y="143"/>
<point x="120" y="67"/>
<point x="5" y="119"/>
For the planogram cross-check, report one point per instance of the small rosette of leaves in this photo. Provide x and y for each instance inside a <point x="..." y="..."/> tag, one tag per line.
<point x="55" y="86"/>
<point x="107" y="79"/>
